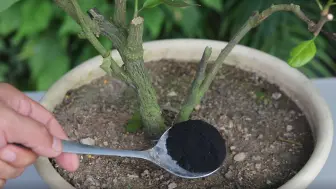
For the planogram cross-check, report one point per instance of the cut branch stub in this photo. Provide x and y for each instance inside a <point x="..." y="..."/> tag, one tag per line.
<point x="194" y="96"/>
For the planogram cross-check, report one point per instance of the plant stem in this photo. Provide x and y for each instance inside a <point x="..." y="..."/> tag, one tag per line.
<point x="117" y="35"/>
<point x="324" y="19"/>
<point x="129" y="46"/>
<point x="136" y="8"/>
<point x="87" y="31"/>
<point x="90" y="30"/>
<point x="252" y="22"/>
<point x="149" y="108"/>
<point x="319" y="4"/>
<point x="193" y="97"/>
<point x="120" y="13"/>
<point x="327" y="7"/>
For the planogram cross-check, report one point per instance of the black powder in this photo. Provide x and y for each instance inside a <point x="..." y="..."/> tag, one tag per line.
<point x="196" y="145"/>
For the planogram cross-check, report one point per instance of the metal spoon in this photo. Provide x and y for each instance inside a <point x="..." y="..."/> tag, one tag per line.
<point x="158" y="155"/>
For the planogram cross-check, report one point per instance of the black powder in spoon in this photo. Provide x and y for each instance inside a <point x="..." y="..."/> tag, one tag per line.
<point x="196" y="145"/>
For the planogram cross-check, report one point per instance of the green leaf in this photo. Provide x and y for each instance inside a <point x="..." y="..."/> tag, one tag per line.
<point x="69" y="26"/>
<point x="214" y="4"/>
<point x="135" y="123"/>
<point x="153" y="21"/>
<point x="36" y="15"/>
<point x="190" y="21"/>
<point x="46" y="59"/>
<point x="302" y="53"/>
<point x="5" y="4"/>
<point x="10" y="20"/>
<point x="260" y="95"/>
<point x="151" y="3"/>
<point x="177" y="3"/>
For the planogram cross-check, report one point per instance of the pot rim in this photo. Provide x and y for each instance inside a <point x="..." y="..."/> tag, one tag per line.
<point x="297" y="86"/>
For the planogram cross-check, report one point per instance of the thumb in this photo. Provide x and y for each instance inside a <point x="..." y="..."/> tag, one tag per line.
<point x="16" y="128"/>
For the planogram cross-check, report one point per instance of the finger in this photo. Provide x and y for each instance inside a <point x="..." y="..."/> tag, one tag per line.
<point x="2" y="183"/>
<point x="68" y="161"/>
<point x="15" y="128"/>
<point x="9" y="172"/>
<point x="16" y="156"/>
<point x="26" y="106"/>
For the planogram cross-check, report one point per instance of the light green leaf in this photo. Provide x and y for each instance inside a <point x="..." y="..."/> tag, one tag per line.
<point x="135" y="123"/>
<point x="36" y="15"/>
<point x="151" y="3"/>
<point x="215" y="4"/>
<point x="153" y="21"/>
<point x="10" y="20"/>
<point x="302" y="54"/>
<point x="5" y="4"/>
<point x="178" y="3"/>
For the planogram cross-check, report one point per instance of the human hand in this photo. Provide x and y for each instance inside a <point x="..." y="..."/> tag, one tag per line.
<point x="26" y="122"/>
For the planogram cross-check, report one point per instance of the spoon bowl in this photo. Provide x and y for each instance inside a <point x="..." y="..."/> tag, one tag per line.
<point x="158" y="155"/>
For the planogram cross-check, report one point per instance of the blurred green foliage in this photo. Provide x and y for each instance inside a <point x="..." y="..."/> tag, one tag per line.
<point x="39" y="43"/>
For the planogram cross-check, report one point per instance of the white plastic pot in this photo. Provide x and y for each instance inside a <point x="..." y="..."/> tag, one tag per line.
<point x="298" y="87"/>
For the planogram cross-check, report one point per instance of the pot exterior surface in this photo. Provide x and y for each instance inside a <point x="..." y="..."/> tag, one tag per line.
<point x="292" y="82"/>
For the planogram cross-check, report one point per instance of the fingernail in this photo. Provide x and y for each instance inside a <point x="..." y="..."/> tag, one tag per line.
<point x="8" y="155"/>
<point x="57" y="145"/>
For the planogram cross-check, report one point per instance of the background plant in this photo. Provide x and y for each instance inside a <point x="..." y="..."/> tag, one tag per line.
<point x="38" y="44"/>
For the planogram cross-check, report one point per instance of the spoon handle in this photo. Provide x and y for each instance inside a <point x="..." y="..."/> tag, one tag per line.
<point x="77" y="148"/>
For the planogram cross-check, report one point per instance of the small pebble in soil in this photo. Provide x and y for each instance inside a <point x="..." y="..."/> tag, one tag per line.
<point x="229" y="174"/>
<point x="132" y="176"/>
<point x="240" y="156"/>
<point x="145" y="174"/>
<point x="196" y="146"/>
<point x="258" y="165"/>
<point x="197" y="107"/>
<point x="172" y="185"/>
<point x="261" y="136"/>
<point x="256" y="158"/>
<point x="172" y="93"/>
<point x="289" y="128"/>
<point x="88" y="141"/>
<point x="276" y="96"/>
<point x="230" y="124"/>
